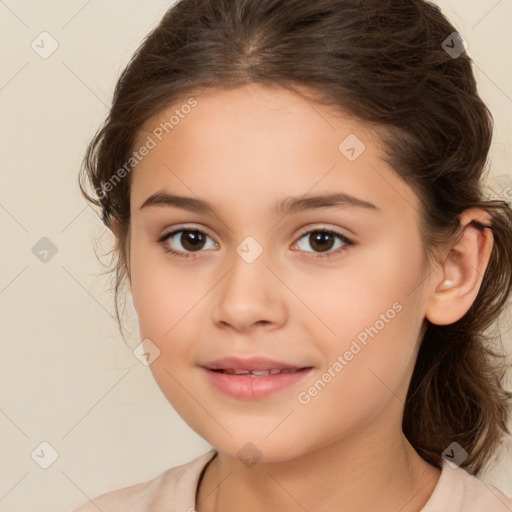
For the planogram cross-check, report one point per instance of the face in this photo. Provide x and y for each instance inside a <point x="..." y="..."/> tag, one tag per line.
<point x="331" y="286"/>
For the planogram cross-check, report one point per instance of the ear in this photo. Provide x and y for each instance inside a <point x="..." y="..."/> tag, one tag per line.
<point x="462" y="270"/>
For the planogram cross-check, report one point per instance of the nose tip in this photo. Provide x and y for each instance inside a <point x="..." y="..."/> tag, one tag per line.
<point x="246" y="297"/>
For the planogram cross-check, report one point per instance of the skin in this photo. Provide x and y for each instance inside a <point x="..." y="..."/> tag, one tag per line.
<point x="243" y="150"/>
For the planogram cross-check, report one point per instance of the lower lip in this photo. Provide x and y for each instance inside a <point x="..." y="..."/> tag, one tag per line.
<point x="248" y="387"/>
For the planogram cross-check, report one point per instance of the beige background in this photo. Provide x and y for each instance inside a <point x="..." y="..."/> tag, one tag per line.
<point x="67" y="378"/>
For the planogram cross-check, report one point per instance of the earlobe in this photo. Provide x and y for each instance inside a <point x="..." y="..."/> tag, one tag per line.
<point x="462" y="270"/>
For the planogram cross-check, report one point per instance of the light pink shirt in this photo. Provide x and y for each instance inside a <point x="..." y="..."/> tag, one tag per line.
<point x="174" y="490"/>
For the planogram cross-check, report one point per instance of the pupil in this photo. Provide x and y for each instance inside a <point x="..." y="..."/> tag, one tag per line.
<point x="322" y="239"/>
<point x="192" y="239"/>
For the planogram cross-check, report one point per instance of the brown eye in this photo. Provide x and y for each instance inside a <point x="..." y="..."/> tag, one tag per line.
<point x="324" y="241"/>
<point x="192" y="240"/>
<point x="321" y="240"/>
<point x="185" y="242"/>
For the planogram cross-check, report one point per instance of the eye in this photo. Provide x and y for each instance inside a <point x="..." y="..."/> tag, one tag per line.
<point x="190" y="240"/>
<point x="322" y="240"/>
<point x="193" y="240"/>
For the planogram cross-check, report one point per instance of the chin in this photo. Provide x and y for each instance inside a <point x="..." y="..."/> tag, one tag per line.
<point x="250" y="452"/>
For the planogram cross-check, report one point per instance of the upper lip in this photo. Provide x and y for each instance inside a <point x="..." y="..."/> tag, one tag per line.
<point x="250" y="363"/>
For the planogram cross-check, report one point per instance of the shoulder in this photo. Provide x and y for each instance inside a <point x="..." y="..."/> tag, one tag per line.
<point x="459" y="491"/>
<point x="481" y="495"/>
<point x="173" y="489"/>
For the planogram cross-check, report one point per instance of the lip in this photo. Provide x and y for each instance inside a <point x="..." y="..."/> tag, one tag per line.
<point x="247" y="386"/>
<point x="250" y="363"/>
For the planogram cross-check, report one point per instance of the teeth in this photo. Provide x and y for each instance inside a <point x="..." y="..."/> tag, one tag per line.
<point x="274" y="371"/>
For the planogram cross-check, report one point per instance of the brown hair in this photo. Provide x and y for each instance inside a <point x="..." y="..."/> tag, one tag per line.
<point x="387" y="63"/>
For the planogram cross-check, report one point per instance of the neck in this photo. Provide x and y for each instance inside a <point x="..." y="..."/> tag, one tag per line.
<point x="374" y="469"/>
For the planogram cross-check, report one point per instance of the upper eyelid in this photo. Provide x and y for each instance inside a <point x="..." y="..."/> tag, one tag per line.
<point x="338" y="231"/>
<point x="167" y="233"/>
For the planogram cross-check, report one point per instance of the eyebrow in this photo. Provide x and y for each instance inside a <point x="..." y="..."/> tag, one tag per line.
<point x="284" y="207"/>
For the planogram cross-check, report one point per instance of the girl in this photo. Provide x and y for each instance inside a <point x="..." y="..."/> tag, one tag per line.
<point x="295" y="188"/>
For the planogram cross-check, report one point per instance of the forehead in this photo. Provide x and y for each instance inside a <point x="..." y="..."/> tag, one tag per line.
<point x="262" y="112"/>
<point x="254" y="139"/>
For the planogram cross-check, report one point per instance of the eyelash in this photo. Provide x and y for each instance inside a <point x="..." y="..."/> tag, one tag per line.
<point x="325" y="256"/>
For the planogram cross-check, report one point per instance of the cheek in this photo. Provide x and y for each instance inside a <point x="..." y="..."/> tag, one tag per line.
<point x="371" y="315"/>
<point x="365" y="367"/>
<point x="165" y="296"/>
<point x="373" y="285"/>
<point x="163" y="292"/>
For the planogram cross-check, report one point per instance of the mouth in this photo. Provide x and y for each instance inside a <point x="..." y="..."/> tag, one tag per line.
<point x="246" y="385"/>
<point x="251" y="364"/>
<point x="259" y="373"/>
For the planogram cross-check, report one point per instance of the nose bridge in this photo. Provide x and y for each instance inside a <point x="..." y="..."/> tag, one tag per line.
<point x="247" y="293"/>
<point x="249" y="250"/>
<point x="249" y="267"/>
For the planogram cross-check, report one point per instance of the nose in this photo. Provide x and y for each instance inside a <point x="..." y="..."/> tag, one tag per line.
<point x="250" y="295"/>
